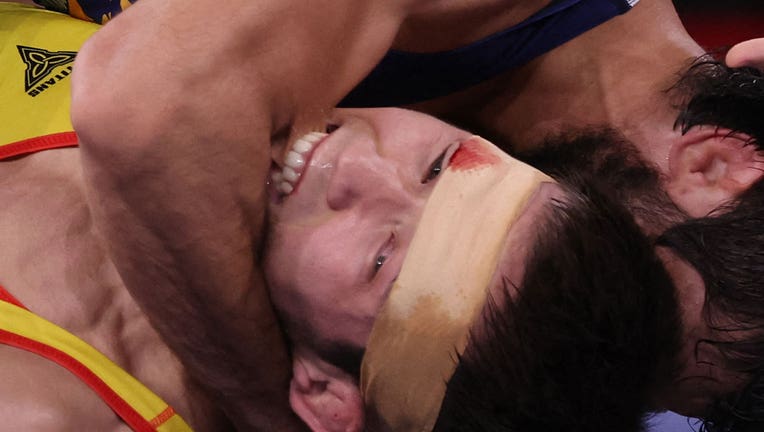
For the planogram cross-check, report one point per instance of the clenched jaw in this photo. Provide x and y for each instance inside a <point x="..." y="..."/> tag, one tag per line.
<point x="285" y="179"/>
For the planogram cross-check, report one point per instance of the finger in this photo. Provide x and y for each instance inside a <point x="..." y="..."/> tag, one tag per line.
<point x="748" y="53"/>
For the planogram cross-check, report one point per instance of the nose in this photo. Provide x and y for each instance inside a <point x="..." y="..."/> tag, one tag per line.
<point x="362" y="176"/>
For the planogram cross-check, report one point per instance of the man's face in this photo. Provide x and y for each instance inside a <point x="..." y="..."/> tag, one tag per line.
<point x="338" y="240"/>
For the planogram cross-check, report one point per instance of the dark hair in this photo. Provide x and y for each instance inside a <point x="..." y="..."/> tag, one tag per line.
<point x="710" y="93"/>
<point x="594" y="329"/>
<point x="727" y="248"/>
<point x="607" y="155"/>
<point x="728" y="251"/>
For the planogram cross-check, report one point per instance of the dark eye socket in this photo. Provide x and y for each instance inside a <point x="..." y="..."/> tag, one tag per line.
<point x="435" y="168"/>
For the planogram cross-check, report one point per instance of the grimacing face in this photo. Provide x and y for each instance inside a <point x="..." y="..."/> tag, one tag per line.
<point x="348" y="205"/>
<point x="337" y="241"/>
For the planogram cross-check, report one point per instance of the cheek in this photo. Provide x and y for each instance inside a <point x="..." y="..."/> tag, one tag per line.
<point x="279" y="262"/>
<point x="308" y="264"/>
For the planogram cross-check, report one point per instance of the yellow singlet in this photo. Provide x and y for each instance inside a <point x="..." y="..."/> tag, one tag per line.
<point x="36" y="55"/>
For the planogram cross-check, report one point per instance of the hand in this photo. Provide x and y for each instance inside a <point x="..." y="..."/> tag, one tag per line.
<point x="747" y="53"/>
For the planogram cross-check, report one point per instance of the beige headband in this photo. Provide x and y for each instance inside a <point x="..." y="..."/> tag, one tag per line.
<point x="442" y="286"/>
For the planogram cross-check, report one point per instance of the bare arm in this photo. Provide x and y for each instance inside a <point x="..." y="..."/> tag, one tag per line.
<point x="175" y="122"/>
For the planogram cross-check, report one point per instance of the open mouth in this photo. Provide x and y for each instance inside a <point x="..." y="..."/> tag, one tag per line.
<point x="286" y="179"/>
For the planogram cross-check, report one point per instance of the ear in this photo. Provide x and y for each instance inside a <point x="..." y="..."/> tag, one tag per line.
<point x="325" y="397"/>
<point x="709" y="167"/>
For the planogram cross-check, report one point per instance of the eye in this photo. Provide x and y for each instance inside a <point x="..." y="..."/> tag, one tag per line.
<point x="434" y="169"/>
<point x="380" y="261"/>
<point x="383" y="254"/>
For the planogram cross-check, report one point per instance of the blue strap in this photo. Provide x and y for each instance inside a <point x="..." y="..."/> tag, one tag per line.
<point x="403" y="78"/>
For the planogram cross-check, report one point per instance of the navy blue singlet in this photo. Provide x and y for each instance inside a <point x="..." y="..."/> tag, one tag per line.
<point x="403" y="78"/>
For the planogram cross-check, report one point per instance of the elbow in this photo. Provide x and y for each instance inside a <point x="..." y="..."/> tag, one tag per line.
<point x="94" y="106"/>
<point x="110" y="110"/>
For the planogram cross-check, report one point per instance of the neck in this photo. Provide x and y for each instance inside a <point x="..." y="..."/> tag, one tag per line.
<point x="616" y="73"/>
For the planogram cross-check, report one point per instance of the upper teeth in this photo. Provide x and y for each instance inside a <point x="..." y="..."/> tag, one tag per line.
<point x="294" y="163"/>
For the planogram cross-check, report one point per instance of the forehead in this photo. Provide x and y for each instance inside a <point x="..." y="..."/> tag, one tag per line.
<point x="476" y="210"/>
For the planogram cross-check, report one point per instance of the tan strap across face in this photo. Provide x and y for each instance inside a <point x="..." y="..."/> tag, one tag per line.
<point x="443" y="285"/>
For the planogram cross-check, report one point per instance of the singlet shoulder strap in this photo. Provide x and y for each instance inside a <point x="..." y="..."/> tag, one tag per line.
<point x="9" y="298"/>
<point x="138" y="406"/>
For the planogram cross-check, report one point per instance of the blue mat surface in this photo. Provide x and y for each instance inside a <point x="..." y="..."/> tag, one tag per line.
<point x="672" y="422"/>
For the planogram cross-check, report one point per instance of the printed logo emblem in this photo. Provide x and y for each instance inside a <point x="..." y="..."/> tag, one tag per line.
<point x="40" y="64"/>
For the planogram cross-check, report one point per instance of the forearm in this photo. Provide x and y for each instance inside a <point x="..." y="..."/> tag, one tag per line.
<point x="194" y="276"/>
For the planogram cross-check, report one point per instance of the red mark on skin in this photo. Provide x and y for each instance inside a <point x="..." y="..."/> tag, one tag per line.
<point x="472" y="154"/>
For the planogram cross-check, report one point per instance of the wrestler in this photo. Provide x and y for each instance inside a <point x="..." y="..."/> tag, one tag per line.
<point x="182" y="211"/>
<point x="59" y="230"/>
<point x="712" y="204"/>
<point x="714" y="261"/>
<point x="64" y="305"/>
<point x="669" y="166"/>
<point x="644" y="113"/>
